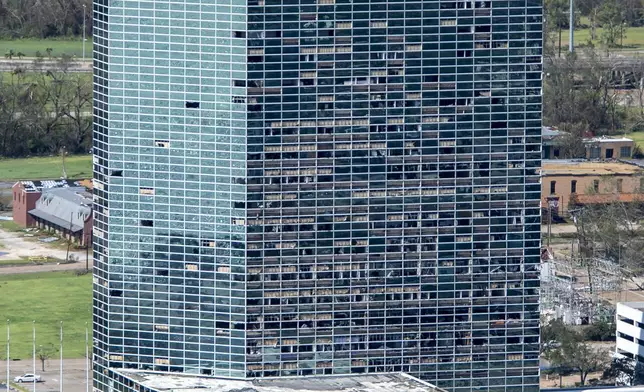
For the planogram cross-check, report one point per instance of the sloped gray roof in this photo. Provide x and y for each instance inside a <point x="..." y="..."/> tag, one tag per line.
<point x="64" y="207"/>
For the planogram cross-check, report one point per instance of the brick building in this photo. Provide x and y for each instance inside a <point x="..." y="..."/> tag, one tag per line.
<point x="60" y="206"/>
<point x="591" y="182"/>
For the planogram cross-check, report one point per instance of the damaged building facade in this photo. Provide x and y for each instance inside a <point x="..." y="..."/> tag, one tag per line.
<point x="318" y="187"/>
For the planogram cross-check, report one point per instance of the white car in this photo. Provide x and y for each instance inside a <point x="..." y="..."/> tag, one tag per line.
<point x="27" y="378"/>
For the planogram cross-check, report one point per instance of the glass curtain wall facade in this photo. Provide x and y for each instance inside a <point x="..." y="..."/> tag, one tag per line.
<point x="298" y="187"/>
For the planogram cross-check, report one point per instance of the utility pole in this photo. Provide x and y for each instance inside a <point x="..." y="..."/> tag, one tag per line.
<point x="549" y="223"/>
<point x="33" y="330"/>
<point x="8" y="355"/>
<point x="61" y="357"/>
<point x="87" y="359"/>
<point x="87" y="239"/>
<point x="69" y="241"/>
<point x="84" y="18"/>
<point x="571" y="39"/>
<point x="64" y="171"/>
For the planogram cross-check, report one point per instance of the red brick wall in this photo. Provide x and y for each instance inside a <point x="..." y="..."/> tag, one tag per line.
<point x="87" y="230"/>
<point x="23" y="202"/>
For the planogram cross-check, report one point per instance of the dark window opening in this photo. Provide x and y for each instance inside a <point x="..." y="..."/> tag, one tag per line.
<point x="116" y="173"/>
<point x="239" y="83"/>
<point x="553" y="185"/>
<point x="573" y="186"/>
<point x="596" y="185"/>
<point x="116" y="293"/>
<point x="239" y="34"/>
<point x="162" y="272"/>
<point x="609" y="153"/>
<point x="147" y="223"/>
<point x="192" y="105"/>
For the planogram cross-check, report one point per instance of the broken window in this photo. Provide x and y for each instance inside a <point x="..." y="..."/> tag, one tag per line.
<point x="162" y="143"/>
<point x="147" y="223"/>
<point x="192" y="105"/>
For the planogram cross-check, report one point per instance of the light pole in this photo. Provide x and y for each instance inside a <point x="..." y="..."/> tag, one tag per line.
<point x="571" y="39"/>
<point x="84" y="10"/>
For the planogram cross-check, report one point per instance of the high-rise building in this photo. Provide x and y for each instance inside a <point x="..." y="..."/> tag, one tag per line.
<point x="307" y="187"/>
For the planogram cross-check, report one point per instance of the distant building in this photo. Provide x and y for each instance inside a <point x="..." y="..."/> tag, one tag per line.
<point x="59" y="206"/>
<point x="591" y="182"/>
<point x="630" y="330"/>
<point x="27" y="193"/>
<point x="609" y="148"/>
<point x="549" y="141"/>
<point x="131" y="380"/>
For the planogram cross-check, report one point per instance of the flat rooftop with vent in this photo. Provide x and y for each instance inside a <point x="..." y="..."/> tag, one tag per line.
<point x="378" y="382"/>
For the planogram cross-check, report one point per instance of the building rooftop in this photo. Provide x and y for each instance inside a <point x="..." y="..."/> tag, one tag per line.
<point x="548" y="133"/>
<point x="65" y="207"/>
<point x="607" y="139"/>
<point x="633" y="305"/>
<point x="377" y="382"/>
<point x="586" y="168"/>
<point x="38" y="186"/>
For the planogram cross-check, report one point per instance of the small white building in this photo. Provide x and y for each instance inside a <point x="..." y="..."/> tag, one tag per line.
<point x="630" y="330"/>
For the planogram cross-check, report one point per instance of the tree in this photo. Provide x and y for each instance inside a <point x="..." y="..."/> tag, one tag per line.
<point x="20" y="55"/>
<point x="571" y="142"/>
<point x="556" y="17"/>
<point x="578" y="356"/>
<point x="590" y="9"/>
<point x="625" y="371"/>
<point x="600" y="330"/>
<point x="49" y="51"/>
<point x="43" y="353"/>
<point x="611" y="231"/>
<point x="612" y="20"/>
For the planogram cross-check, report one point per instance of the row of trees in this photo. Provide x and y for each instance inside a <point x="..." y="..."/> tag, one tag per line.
<point x="570" y="350"/>
<point x="595" y="91"/>
<point x="41" y="112"/>
<point x="613" y="16"/>
<point x="43" y="18"/>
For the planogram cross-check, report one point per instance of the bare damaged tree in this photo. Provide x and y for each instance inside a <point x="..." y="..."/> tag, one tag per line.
<point x="611" y="230"/>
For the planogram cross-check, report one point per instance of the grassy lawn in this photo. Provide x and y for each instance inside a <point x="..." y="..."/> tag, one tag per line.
<point x="46" y="298"/>
<point x="634" y="38"/>
<point x="638" y="137"/>
<point x="10" y="225"/>
<point x="41" y="168"/>
<point x="29" y="47"/>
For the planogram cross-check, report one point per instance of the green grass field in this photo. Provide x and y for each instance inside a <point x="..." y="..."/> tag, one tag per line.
<point x="638" y="137"/>
<point x="29" y="47"/>
<point x="41" y="168"/>
<point x="634" y="38"/>
<point x="46" y="298"/>
<point x="10" y="225"/>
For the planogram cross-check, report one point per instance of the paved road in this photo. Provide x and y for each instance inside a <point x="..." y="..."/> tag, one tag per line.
<point x="73" y="374"/>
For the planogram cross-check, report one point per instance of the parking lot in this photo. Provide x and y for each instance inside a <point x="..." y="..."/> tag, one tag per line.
<point x="73" y="374"/>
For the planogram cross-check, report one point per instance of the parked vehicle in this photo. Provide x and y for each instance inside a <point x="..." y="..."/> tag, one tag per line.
<point x="28" y="377"/>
